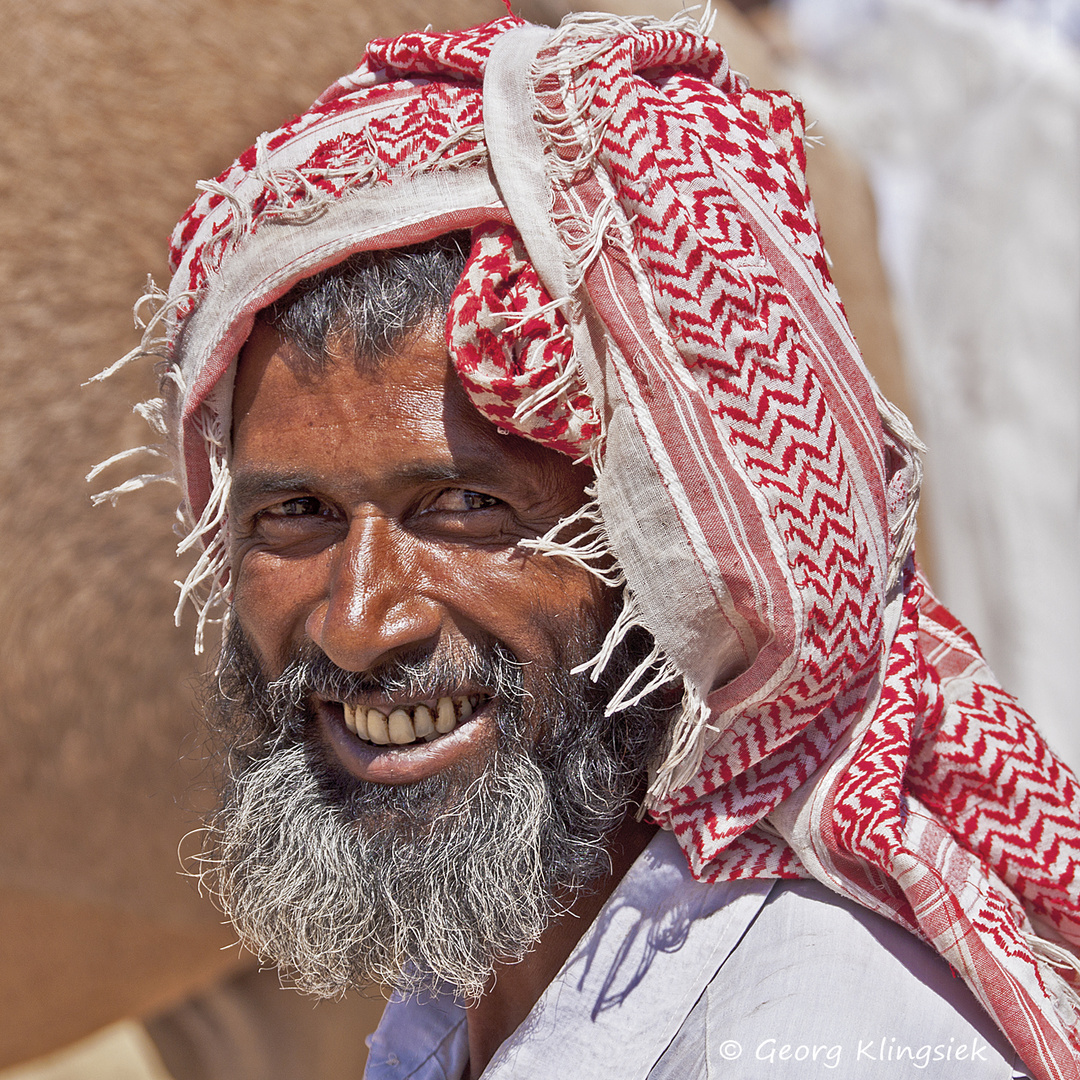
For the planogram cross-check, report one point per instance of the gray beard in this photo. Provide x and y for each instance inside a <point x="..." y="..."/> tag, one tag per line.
<point x="342" y="883"/>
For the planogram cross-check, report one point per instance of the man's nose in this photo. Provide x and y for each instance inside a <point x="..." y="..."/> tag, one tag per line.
<point x="375" y="603"/>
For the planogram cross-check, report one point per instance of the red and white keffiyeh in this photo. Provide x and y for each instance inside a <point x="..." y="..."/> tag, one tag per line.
<point x="647" y="290"/>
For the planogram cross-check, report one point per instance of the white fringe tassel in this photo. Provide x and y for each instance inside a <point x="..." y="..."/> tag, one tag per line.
<point x="204" y="585"/>
<point x="1059" y="959"/>
<point x="689" y="735"/>
<point x="153" y="326"/>
<point x="899" y="428"/>
<point x="588" y="548"/>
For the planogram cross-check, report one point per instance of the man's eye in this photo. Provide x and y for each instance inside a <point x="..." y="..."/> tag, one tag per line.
<point x="304" y="506"/>
<point x="459" y="501"/>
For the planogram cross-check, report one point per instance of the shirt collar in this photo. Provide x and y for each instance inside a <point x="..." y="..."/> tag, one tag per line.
<point x="617" y="1002"/>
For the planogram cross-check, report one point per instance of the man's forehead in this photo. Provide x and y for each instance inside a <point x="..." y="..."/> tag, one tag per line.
<point x="281" y="396"/>
<point x="404" y="419"/>
<point x="272" y="366"/>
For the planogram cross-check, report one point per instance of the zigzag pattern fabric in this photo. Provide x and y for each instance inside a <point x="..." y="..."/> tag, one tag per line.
<point x="647" y="290"/>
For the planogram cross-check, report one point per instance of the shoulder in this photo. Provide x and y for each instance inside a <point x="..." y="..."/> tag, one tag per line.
<point x="820" y="986"/>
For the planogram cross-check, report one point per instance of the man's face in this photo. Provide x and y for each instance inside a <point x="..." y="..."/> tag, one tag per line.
<point x="376" y="565"/>
<point x="376" y="515"/>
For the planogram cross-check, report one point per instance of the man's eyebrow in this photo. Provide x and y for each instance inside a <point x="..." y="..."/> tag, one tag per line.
<point x="254" y="484"/>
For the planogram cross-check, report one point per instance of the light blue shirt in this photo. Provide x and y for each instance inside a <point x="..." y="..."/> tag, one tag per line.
<point x="676" y="980"/>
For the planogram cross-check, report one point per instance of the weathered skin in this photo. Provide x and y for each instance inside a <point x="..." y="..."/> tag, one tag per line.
<point x="112" y="110"/>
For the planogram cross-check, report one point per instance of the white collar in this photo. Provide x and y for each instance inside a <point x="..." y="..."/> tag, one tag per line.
<point x="617" y="1002"/>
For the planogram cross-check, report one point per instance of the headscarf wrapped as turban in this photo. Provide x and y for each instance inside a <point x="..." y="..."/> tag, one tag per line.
<point x="647" y="290"/>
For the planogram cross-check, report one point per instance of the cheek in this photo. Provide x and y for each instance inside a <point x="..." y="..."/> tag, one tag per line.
<point x="272" y="597"/>
<point x="523" y="599"/>
<point x="535" y="605"/>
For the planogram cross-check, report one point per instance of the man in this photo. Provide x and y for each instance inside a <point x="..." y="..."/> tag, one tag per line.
<point x="577" y="681"/>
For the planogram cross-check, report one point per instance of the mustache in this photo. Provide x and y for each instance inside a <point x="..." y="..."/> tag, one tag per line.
<point x="443" y="669"/>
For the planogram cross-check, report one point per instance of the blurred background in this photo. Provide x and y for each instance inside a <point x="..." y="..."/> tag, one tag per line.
<point x="947" y="181"/>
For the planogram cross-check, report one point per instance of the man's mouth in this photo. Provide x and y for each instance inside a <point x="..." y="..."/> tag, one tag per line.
<point x="403" y="741"/>
<point x="400" y="725"/>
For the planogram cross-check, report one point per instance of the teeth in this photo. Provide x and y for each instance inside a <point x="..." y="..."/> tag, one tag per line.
<point x="422" y="722"/>
<point x="362" y="723"/>
<point x="401" y="727"/>
<point x="447" y="718"/>
<point x="378" y="732"/>
<point x="405" y="725"/>
<point x="356" y="720"/>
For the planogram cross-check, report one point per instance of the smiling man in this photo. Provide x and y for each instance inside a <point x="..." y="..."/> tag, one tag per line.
<point x="422" y="658"/>
<point x="578" y="683"/>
